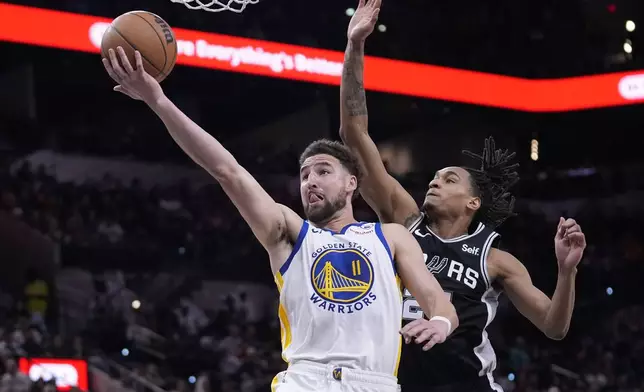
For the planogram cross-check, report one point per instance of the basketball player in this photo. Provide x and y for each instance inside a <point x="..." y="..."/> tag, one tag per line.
<point x="471" y="271"/>
<point x="340" y="299"/>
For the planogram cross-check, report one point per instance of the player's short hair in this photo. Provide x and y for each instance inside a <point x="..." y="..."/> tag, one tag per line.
<point x="491" y="180"/>
<point x="337" y="150"/>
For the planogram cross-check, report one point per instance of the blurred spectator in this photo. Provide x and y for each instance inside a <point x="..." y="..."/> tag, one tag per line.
<point x="13" y="380"/>
<point x="37" y="296"/>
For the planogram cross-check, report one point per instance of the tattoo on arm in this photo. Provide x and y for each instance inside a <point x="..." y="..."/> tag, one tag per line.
<point x="354" y="98"/>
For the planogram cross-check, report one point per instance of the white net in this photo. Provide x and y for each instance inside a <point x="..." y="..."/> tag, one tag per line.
<point x="216" y="5"/>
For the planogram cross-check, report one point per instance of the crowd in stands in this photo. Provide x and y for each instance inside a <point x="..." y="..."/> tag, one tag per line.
<point x="22" y="335"/>
<point x="203" y="351"/>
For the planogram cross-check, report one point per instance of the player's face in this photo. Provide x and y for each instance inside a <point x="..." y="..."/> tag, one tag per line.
<point x="325" y="187"/>
<point x="450" y="192"/>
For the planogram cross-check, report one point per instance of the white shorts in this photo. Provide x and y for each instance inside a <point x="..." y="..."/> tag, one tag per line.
<point x="305" y="376"/>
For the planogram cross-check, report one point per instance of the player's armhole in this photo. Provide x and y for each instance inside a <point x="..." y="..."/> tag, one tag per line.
<point x="492" y="241"/>
<point x="382" y="239"/>
<point x="296" y="247"/>
<point x="415" y="221"/>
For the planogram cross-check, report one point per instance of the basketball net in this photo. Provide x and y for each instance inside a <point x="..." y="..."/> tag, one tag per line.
<point x="216" y="5"/>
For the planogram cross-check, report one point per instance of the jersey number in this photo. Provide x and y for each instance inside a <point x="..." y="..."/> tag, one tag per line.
<point x="411" y="308"/>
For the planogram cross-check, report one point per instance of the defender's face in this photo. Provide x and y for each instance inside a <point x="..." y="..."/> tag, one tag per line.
<point x="449" y="191"/>
<point x="324" y="185"/>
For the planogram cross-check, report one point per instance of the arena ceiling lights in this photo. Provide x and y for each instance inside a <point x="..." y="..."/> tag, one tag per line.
<point x="63" y="30"/>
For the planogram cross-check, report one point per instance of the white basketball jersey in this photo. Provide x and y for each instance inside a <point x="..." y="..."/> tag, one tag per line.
<point x="340" y="299"/>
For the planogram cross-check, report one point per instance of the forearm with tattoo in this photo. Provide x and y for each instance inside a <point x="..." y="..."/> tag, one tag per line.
<point x="354" y="100"/>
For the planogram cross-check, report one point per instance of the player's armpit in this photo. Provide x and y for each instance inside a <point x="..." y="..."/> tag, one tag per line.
<point x="416" y="277"/>
<point x="517" y="283"/>
<point x="381" y="191"/>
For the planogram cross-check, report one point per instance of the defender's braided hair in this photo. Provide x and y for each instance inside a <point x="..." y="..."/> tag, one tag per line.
<point x="491" y="181"/>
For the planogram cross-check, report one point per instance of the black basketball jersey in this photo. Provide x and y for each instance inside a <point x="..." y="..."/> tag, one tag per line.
<point x="466" y="357"/>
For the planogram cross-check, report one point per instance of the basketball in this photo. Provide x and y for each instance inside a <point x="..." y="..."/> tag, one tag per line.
<point x="147" y="33"/>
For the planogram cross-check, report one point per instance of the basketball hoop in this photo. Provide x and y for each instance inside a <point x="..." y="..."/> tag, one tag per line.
<point x="216" y="5"/>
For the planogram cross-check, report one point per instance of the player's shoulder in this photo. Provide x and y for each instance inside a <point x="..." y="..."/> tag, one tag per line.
<point x="501" y="264"/>
<point x="396" y="234"/>
<point x="498" y="255"/>
<point x="394" y="229"/>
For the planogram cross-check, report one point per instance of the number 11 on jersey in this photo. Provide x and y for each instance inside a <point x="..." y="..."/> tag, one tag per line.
<point x="411" y="308"/>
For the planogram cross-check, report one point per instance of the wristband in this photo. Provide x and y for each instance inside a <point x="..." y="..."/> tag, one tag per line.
<point x="445" y="320"/>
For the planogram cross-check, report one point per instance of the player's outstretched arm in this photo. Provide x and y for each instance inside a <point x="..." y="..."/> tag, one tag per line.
<point x="424" y="287"/>
<point x="551" y="316"/>
<point x="273" y="225"/>
<point x="381" y="191"/>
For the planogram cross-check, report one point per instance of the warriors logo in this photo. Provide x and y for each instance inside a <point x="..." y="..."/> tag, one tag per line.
<point x="343" y="278"/>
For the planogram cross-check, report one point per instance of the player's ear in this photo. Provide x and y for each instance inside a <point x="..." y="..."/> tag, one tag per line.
<point x="352" y="184"/>
<point x="474" y="203"/>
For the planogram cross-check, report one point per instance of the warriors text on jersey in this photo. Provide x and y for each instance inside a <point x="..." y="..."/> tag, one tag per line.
<point x="340" y="299"/>
<point x="466" y="357"/>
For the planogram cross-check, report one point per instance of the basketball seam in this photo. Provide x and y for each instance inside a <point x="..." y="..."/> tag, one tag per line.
<point x="134" y="47"/>
<point x="165" y="52"/>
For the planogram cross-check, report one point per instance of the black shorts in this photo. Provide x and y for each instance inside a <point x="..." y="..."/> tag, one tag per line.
<point x="480" y="385"/>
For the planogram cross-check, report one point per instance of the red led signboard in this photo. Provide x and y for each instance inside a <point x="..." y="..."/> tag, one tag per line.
<point x="68" y="373"/>
<point x="35" y="26"/>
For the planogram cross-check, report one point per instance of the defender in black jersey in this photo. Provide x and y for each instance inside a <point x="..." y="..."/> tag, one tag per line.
<point x="460" y="267"/>
<point x="459" y="264"/>
<point x="455" y="228"/>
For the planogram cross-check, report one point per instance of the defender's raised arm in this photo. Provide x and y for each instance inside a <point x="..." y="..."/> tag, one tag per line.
<point x="382" y="192"/>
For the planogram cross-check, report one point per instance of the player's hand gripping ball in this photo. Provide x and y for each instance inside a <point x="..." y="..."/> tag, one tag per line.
<point x="425" y="332"/>
<point x="133" y="81"/>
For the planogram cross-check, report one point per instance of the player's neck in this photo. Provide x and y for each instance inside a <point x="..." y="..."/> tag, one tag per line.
<point x="450" y="228"/>
<point x="339" y="221"/>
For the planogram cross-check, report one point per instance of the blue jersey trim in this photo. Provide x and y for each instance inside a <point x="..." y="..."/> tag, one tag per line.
<point x="296" y="247"/>
<point x="382" y="239"/>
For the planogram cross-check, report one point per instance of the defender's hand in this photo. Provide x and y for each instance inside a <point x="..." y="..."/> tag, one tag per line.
<point x="422" y="331"/>
<point x="570" y="243"/>
<point x="363" y="20"/>
<point x="135" y="83"/>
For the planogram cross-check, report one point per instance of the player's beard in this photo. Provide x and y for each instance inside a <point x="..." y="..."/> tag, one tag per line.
<point x="324" y="213"/>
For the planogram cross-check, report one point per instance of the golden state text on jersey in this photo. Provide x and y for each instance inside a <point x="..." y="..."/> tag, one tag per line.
<point x="340" y="299"/>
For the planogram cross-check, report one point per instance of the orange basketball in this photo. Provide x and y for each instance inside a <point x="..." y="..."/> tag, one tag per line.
<point x="147" y="33"/>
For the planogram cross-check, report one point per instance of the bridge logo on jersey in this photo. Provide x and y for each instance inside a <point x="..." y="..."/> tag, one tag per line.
<point x="342" y="280"/>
